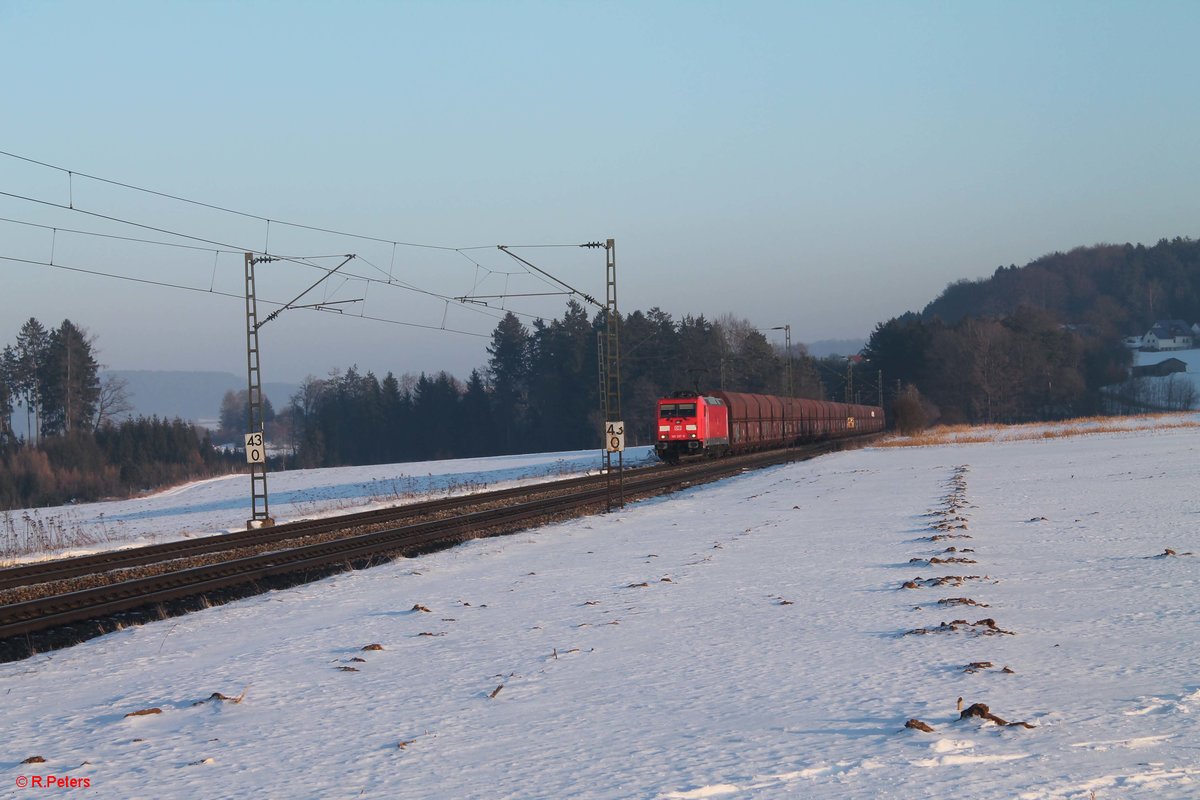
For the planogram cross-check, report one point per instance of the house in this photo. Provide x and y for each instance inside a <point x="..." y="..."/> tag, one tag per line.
<point x="1160" y="370"/>
<point x="1168" y="334"/>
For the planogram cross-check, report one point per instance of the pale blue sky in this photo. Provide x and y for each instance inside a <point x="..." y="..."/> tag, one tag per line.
<point x="823" y="165"/>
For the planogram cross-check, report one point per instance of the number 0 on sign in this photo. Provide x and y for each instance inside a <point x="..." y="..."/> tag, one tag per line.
<point x="614" y="437"/>
<point x="255" y="452"/>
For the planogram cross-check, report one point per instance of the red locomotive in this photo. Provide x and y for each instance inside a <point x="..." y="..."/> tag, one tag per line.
<point x="735" y="422"/>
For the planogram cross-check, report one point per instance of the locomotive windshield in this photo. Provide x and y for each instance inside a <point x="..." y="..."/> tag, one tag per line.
<point x="677" y="410"/>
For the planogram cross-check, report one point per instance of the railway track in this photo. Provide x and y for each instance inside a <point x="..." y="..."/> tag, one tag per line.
<point x="56" y="614"/>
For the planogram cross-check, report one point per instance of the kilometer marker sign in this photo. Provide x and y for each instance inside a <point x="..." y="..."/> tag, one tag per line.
<point x="255" y="452"/>
<point x="614" y="436"/>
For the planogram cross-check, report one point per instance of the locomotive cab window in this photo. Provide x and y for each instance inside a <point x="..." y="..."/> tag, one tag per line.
<point x="677" y="410"/>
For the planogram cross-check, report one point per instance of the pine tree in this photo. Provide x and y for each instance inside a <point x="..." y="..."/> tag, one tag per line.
<point x="509" y="371"/>
<point x="68" y="381"/>
<point x="32" y="344"/>
<point x="6" y="406"/>
<point x="478" y="429"/>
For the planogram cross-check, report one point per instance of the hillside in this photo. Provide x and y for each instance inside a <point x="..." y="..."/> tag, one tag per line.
<point x="1042" y="341"/>
<point x="1117" y="289"/>
<point x="1123" y="288"/>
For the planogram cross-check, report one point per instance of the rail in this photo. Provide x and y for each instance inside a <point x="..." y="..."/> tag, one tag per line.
<point x="68" y="617"/>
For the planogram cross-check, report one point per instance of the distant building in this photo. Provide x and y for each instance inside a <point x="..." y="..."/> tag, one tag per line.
<point x="1133" y="342"/>
<point x="1160" y="370"/>
<point x="1168" y="334"/>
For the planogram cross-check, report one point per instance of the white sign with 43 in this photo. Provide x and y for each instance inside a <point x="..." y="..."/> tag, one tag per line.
<point x="614" y="437"/>
<point x="255" y="452"/>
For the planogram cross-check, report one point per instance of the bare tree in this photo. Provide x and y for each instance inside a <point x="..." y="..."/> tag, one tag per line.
<point x="113" y="400"/>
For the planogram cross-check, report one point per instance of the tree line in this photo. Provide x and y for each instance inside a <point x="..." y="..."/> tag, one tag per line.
<point x="1023" y="366"/>
<point x="1043" y="340"/>
<point x="1035" y="342"/>
<point x="540" y="390"/>
<point x="1115" y="290"/>
<point x="66" y="442"/>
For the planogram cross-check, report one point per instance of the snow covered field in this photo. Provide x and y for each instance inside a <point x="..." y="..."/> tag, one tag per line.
<point x="747" y="639"/>
<point x="222" y="504"/>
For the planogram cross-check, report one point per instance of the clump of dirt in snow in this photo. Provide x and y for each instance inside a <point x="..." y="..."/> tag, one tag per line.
<point x="961" y="601"/>
<point x="1169" y="553"/>
<point x="945" y="580"/>
<point x="982" y="627"/>
<point x="144" y="712"/>
<point x="982" y="711"/>
<point x="221" y="698"/>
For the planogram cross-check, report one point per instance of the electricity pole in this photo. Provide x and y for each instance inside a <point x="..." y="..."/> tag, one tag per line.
<point x="256" y="453"/>
<point x="256" y="445"/>
<point x="609" y="358"/>
<point x="787" y="364"/>
<point x="614" y="427"/>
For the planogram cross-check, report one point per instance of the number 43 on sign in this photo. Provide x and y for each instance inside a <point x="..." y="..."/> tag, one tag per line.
<point x="614" y="437"/>
<point x="255" y="452"/>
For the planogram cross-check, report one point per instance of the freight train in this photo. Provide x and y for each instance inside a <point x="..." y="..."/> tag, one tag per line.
<point x="723" y="423"/>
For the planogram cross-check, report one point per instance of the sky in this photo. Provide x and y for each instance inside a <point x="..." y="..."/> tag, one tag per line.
<point x="825" y="166"/>
<point x="751" y="638"/>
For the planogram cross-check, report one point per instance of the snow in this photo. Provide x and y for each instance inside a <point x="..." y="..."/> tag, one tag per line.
<point x="745" y="639"/>
<point x="222" y="505"/>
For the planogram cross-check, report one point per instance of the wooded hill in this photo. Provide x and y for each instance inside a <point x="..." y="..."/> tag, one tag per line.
<point x="1038" y="341"/>
<point x="1115" y="289"/>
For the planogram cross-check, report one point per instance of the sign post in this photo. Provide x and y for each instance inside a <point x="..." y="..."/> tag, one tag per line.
<point x="614" y="442"/>
<point x="614" y="432"/>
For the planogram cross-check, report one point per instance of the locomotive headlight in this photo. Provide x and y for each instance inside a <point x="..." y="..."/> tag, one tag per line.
<point x="693" y="436"/>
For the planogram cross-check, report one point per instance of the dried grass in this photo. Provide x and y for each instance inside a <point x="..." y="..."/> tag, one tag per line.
<point x="1082" y="426"/>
